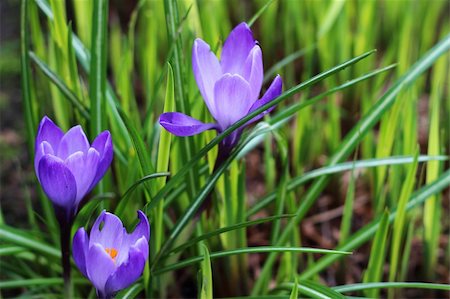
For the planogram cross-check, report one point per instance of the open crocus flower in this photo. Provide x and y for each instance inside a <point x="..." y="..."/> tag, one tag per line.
<point x="109" y="257"/>
<point x="67" y="166"/>
<point x="230" y="88"/>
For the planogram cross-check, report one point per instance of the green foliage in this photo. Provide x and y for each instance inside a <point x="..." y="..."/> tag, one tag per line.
<point x="118" y="66"/>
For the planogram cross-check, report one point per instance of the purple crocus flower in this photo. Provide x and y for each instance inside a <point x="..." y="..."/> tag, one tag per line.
<point x="68" y="167"/>
<point x="109" y="257"/>
<point x="230" y="88"/>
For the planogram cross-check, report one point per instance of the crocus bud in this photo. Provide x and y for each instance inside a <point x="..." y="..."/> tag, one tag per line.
<point x="67" y="166"/>
<point x="109" y="257"/>
<point x="230" y="87"/>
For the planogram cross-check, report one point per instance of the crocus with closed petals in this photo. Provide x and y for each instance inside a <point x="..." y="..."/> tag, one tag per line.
<point x="68" y="167"/>
<point x="109" y="257"/>
<point x="230" y="88"/>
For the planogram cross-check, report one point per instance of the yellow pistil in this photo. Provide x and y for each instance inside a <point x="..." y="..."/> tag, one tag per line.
<point x="112" y="253"/>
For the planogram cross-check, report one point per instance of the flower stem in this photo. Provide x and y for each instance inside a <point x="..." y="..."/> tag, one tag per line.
<point x="222" y="155"/>
<point x="65" y="256"/>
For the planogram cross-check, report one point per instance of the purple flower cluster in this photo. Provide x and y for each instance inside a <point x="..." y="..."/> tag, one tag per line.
<point x="68" y="167"/>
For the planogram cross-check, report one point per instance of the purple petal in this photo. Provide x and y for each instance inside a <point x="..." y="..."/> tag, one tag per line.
<point x="236" y="49"/>
<point x="99" y="267"/>
<point x="104" y="146"/>
<point x="127" y="272"/>
<point x="108" y="231"/>
<point x="57" y="181"/>
<point x="142" y="230"/>
<point x="273" y="92"/>
<point x="207" y="71"/>
<point x="73" y="141"/>
<point x="253" y="72"/>
<point x="83" y="167"/>
<point x="43" y="149"/>
<point x="80" y="249"/>
<point x="232" y="99"/>
<point x="180" y="124"/>
<point x="49" y="132"/>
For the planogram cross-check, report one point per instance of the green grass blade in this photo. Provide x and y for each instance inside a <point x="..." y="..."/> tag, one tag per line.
<point x="386" y="285"/>
<point x="247" y="250"/>
<point x="26" y="240"/>
<point x="341" y="167"/>
<point x="21" y="283"/>
<point x="368" y="231"/>
<point x="97" y="75"/>
<point x="400" y="219"/>
<point x="206" y="282"/>
<point x="126" y="196"/>
<point x="312" y="290"/>
<point x="27" y="98"/>
<point x="351" y="141"/>
<point x="378" y="250"/>
<point x="226" y="229"/>
<point x="69" y="94"/>
<point x="143" y="153"/>
<point x="259" y="13"/>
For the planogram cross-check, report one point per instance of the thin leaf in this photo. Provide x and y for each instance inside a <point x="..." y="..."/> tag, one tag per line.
<point x="247" y="250"/>
<point x="206" y="282"/>
<point x="69" y="94"/>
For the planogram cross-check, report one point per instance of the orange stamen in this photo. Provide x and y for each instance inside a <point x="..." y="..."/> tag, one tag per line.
<point x="112" y="253"/>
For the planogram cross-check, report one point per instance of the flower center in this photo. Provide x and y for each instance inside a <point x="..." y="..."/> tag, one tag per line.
<point x="112" y="253"/>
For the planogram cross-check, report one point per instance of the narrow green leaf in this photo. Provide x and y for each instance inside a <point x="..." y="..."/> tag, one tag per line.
<point x="206" y="290"/>
<point x="125" y="197"/>
<point x="368" y="231"/>
<point x="247" y="250"/>
<point x="312" y="290"/>
<point x="351" y="141"/>
<point x="400" y="218"/>
<point x="327" y="170"/>
<point x="386" y="285"/>
<point x="97" y="75"/>
<point x="294" y="292"/>
<point x="226" y="229"/>
<point x="21" y="283"/>
<point x="378" y="250"/>
<point x="30" y="120"/>
<point x="69" y="94"/>
<point x="259" y="12"/>
<point x="26" y="240"/>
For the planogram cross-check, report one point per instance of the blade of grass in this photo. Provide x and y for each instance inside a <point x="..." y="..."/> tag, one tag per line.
<point x="206" y="281"/>
<point x="341" y="167"/>
<point x="27" y="98"/>
<point x="26" y="240"/>
<point x="258" y="13"/>
<point x="226" y="229"/>
<point x="69" y="94"/>
<point x="386" y="285"/>
<point x="368" y="231"/>
<point x="378" y="250"/>
<point x="97" y="74"/>
<point x="400" y="219"/>
<point x="312" y="289"/>
<point x="247" y="250"/>
<point x="351" y="141"/>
